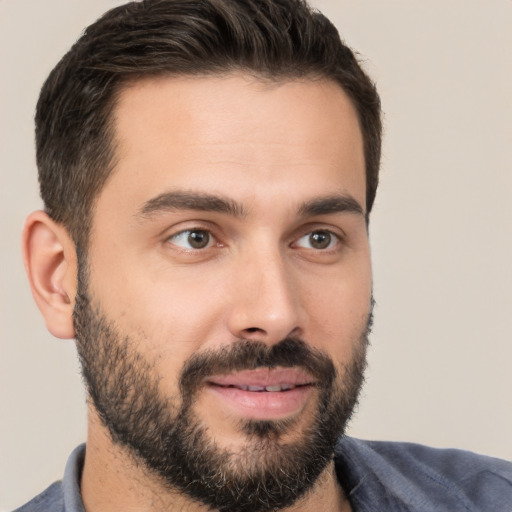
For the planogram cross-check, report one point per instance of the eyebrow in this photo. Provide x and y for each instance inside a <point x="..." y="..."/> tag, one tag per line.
<point x="179" y="200"/>
<point x="172" y="201"/>
<point x="331" y="204"/>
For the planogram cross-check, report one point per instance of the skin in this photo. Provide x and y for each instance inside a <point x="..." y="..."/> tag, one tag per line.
<point x="270" y="148"/>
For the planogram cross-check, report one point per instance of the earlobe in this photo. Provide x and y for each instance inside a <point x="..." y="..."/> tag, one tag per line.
<point x="50" y="262"/>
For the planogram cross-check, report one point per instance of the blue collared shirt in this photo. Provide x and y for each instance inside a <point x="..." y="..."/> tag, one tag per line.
<point x="376" y="477"/>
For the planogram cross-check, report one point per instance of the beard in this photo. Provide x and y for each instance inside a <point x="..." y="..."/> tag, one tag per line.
<point x="165" y="434"/>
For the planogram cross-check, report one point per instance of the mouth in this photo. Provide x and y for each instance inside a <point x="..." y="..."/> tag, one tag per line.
<point x="264" y="379"/>
<point x="263" y="393"/>
<point x="261" y="389"/>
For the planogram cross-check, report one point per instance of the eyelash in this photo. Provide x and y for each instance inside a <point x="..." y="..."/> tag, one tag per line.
<point x="330" y="235"/>
<point x="333" y="239"/>
<point x="172" y="239"/>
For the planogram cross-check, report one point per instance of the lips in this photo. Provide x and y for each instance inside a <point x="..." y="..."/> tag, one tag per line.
<point x="277" y="387"/>
<point x="264" y="379"/>
<point x="263" y="393"/>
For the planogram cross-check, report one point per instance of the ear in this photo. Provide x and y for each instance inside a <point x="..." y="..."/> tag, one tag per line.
<point x="49" y="256"/>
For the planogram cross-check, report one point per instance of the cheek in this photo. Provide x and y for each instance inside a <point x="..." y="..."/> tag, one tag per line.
<point x="338" y="306"/>
<point x="172" y="310"/>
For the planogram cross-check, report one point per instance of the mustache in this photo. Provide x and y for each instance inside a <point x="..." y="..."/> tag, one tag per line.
<point x="249" y="355"/>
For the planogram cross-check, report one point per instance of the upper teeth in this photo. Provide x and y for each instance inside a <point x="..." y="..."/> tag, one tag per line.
<point x="277" y="387"/>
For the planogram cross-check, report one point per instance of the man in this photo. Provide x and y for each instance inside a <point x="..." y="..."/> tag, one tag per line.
<point x="208" y="171"/>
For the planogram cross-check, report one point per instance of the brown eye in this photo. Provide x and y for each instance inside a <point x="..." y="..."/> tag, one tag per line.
<point x="318" y="240"/>
<point x="192" y="239"/>
<point x="198" y="239"/>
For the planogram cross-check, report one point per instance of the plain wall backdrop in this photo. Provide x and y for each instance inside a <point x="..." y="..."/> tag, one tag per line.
<point x="440" y="368"/>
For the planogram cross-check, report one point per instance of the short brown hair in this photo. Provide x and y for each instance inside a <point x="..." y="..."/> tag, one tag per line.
<point x="273" y="39"/>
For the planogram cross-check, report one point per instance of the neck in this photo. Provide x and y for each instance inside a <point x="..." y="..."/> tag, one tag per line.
<point x="113" y="480"/>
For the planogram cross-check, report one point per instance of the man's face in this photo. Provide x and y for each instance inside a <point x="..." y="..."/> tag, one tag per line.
<point x="228" y="273"/>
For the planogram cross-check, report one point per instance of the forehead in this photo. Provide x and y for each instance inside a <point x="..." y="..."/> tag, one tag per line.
<point x="235" y="133"/>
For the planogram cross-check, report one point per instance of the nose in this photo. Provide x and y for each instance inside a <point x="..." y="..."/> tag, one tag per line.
<point x="265" y="304"/>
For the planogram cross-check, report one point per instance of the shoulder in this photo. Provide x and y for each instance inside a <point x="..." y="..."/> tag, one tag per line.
<point x="51" y="499"/>
<point x="62" y="496"/>
<point x="424" y="478"/>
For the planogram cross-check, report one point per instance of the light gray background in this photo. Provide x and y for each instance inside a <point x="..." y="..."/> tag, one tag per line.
<point x="440" y="365"/>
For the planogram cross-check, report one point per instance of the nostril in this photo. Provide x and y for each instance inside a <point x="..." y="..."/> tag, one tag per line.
<point x="253" y="329"/>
